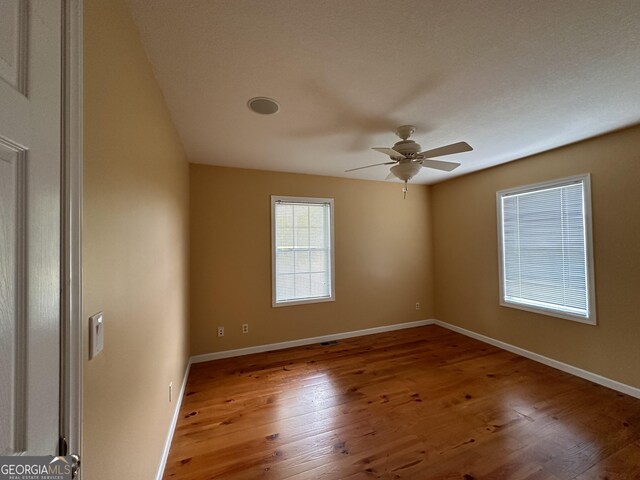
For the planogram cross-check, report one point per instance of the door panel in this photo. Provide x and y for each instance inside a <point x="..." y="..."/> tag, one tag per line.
<point x="12" y="306"/>
<point x="30" y="91"/>
<point x="13" y="43"/>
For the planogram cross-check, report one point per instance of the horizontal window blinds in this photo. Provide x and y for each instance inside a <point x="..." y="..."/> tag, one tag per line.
<point x="544" y="248"/>
<point x="302" y="251"/>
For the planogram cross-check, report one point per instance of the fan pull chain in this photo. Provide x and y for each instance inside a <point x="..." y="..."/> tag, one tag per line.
<point x="404" y="190"/>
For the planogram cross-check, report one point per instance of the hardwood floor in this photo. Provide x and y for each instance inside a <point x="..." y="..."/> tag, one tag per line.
<point x="423" y="403"/>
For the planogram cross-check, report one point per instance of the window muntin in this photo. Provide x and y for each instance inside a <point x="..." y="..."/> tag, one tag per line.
<point x="302" y="250"/>
<point x="545" y="252"/>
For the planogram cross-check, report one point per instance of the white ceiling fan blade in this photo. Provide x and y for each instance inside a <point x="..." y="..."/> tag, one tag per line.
<point x="439" y="165"/>
<point x="447" y="150"/>
<point x="367" y="166"/>
<point x="388" y="151"/>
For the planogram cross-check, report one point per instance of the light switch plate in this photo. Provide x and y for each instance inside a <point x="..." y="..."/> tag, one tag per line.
<point x="96" y="334"/>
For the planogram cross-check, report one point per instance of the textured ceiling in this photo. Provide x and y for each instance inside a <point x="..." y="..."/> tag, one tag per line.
<point x="510" y="77"/>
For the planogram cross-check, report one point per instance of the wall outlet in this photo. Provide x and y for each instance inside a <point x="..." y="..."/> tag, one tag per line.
<point x="170" y="391"/>
<point x="221" y="331"/>
<point x="245" y="328"/>
<point x="417" y="305"/>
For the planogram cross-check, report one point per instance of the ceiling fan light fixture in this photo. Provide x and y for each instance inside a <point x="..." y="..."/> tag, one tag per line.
<point x="263" y="105"/>
<point x="405" y="171"/>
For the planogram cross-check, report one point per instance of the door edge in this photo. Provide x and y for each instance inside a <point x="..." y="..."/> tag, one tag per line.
<point x="71" y="182"/>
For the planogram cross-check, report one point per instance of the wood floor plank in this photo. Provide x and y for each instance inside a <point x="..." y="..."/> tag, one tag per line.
<point x="622" y="465"/>
<point x="423" y="403"/>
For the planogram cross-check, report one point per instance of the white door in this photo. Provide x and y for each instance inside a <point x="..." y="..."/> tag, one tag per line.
<point x="30" y="92"/>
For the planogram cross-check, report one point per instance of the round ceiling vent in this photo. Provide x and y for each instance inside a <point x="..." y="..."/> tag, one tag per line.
<point x="263" y="105"/>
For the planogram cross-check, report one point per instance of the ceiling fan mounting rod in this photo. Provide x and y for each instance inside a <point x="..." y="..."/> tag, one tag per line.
<point x="405" y="131"/>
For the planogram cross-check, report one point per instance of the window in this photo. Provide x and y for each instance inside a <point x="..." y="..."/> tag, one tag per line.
<point x="302" y="250"/>
<point x="545" y="253"/>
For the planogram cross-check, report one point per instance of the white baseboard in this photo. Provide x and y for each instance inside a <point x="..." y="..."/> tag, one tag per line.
<point x="172" y="426"/>
<point x="306" y="341"/>
<point x="578" y="372"/>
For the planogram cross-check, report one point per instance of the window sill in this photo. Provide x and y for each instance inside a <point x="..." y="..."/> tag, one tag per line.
<point x="302" y="302"/>
<point x="591" y="320"/>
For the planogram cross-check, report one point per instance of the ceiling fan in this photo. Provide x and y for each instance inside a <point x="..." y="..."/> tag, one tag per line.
<point x="407" y="159"/>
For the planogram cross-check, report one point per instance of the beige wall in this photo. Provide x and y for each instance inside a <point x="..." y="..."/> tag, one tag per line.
<point x="466" y="264"/>
<point x="382" y="257"/>
<point x="135" y="242"/>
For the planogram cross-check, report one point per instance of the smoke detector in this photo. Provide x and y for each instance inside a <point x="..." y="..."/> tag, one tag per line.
<point x="263" y="105"/>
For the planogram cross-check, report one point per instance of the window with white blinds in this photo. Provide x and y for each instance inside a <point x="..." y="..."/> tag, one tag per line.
<point x="545" y="249"/>
<point x="302" y="244"/>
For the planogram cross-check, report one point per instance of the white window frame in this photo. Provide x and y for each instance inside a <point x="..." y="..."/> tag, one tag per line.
<point x="286" y="303"/>
<point x="585" y="179"/>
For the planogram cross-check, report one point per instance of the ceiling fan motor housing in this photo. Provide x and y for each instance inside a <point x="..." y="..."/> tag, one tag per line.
<point x="407" y="147"/>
